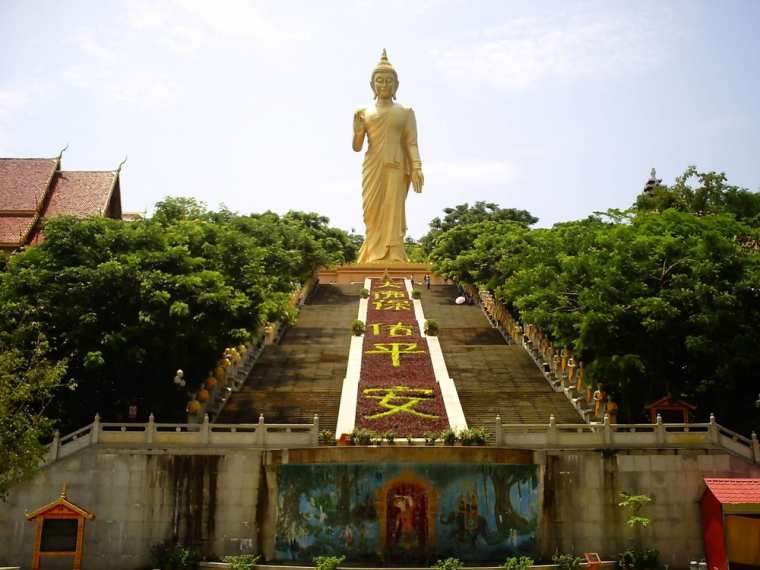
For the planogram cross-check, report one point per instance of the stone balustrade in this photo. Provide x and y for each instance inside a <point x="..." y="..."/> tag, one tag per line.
<point x="710" y="435"/>
<point x="204" y="434"/>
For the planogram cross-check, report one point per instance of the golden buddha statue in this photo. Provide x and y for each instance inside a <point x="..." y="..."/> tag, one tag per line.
<point x="392" y="161"/>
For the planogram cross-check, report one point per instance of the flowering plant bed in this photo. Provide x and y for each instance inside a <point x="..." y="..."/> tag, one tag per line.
<point x="397" y="387"/>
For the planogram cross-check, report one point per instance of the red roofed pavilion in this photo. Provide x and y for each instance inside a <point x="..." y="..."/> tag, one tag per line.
<point x="34" y="189"/>
<point x="731" y="522"/>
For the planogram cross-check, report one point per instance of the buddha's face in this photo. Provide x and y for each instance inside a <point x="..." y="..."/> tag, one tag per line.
<point x="384" y="84"/>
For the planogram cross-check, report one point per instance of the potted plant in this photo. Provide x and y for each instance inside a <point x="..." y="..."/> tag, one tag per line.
<point x="431" y="327"/>
<point x="364" y="293"/>
<point x="357" y="327"/>
<point x="416" y="294"/>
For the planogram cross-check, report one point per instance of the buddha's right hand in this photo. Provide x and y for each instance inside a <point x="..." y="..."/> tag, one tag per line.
<point x="359" y="122"/>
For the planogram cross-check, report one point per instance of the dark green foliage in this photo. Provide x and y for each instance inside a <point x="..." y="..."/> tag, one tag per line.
<point x="416" y="294"/>
<point x="127" y="304"/>
<point x="638" y="559"/>
<point x="517" y="563"/>
<point x="448" y="564"/>
<point x="364" y="293"/>
<point x="168" y="555"/>
<point x="466" y="215"/>
<point x="567" y="561"/>
<point x="431" y="327"/>
<point x="327" y="437"/>
<point x="242" y="561"/>
<point x="448" y="437"/>
<point x="652" y="302"/>
<point x="28" y="383"/>
<point x="362" y="436"/>
<point x="328" y="562"/>
<point x="357" y="327"/>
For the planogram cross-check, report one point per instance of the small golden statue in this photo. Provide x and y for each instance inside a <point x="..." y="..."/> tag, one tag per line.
<point x="392" y="161"/>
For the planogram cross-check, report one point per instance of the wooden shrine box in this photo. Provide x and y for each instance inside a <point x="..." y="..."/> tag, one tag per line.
<point x="59" y="531"/>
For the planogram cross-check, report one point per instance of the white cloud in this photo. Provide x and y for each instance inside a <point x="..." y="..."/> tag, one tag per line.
<point x="524" y="52"/>
<point x="467" y="171"/>
<point x="195" y="23"/>
<point x="89" y="45"/>
<point x="12" y="100"/>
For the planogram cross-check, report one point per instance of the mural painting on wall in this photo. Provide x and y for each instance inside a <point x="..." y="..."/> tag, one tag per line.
<point x="406" y="512"/>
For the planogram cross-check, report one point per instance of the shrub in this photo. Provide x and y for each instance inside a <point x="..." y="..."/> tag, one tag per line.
<point x="473" y="436"/>
<point x="431" y="327"/>
<point x="390" y="437"/>
<point x="449" y="436"/>
<point x="448" y="564"/>
<point x="168" y="555"/>
<point x="328" y="562"/>
<point x="364" y="293"/>
<point x="567" y="561"/>
<point x="357" y="327"/>
<point x="327" y="437"/>
<point x="430" y="438"/>
<point x="242" y="561"/>
<point x="361" y="436"/>
<point x="409" y="440"/>
<point x="517" y="563"/>
<point x="416" y="294"/>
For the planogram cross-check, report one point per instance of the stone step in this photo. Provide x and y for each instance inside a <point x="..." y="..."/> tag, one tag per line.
<point x="303" y="374"/>
<point x="491" y="376"/>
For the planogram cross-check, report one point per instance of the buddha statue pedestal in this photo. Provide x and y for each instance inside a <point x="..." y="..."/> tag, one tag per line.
<point x="357" y="272"/>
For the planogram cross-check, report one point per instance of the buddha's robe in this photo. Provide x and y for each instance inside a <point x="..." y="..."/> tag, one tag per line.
<point x="386" y="174"/>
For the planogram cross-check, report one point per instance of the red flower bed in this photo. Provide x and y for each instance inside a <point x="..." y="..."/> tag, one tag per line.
<point x="397" y="387"/>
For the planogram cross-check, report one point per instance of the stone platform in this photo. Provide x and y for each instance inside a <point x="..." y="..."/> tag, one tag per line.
<point x="357" y="272"/>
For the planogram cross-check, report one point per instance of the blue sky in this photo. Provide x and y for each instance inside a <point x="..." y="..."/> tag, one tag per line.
<point x="560" y="108"/>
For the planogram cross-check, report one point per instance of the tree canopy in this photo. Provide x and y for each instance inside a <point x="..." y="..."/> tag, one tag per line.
<point x="654" y="301"/>
<point x="127" y="304"/>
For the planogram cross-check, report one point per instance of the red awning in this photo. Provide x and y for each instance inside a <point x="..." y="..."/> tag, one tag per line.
<point x="735" y="491"/>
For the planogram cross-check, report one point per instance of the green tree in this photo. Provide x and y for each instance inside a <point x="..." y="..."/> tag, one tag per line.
<point x="28" y="383"/>
<point x="464" y="215"/>
<point x="127" y="304"/>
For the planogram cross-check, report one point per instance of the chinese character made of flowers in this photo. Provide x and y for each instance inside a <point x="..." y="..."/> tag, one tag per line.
<point x="399" y="399"/>
<point x="395" y="350"/>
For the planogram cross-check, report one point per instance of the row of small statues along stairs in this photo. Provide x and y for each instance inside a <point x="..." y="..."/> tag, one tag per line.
<point x="492" y="377"/>
<point x="302" y="375"/>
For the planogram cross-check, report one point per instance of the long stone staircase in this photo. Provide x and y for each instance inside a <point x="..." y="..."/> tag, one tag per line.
<point x="303" y="374"/>
<point x="491" y="376"/>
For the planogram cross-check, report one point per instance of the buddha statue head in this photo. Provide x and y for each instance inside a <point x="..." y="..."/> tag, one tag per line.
<point x="384" y="81"/>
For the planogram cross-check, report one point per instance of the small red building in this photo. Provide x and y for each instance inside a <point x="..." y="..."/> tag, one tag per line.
<point x="671" y="410"/>
<point x="731" y="523"/>
<point x="33" y="189"/>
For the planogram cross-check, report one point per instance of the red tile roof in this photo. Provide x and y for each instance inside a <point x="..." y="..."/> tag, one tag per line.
<point x="735" y="491"/>
<point x="24" y="182"/>
<point x="80" y="194"/>
<point x="13" y="229"/>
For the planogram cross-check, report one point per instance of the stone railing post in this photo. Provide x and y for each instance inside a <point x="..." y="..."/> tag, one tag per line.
<point x="205" y="429"/>
<point x="261" y="431"/>
<point x="498" y="432"/>
<point x="552" y="434"/>
<point x="659" y="431"/>
<point x="55" y="446"/>
<point x="150" y="429"/>
<point x="712" y="430"/>
<point x="95" y="432"/>
<point x="607" y="430"/>
<point x="755" y="448"/>
<point x="315" y="431"/>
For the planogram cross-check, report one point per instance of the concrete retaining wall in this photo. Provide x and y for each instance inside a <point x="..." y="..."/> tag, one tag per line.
<point x="211" y="497"/>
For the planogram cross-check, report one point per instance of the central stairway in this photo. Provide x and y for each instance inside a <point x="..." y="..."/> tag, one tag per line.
<point x="491" y="376"/>
<point x="303" y="374"/>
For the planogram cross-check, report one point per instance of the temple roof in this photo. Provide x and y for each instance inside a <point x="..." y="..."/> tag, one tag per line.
<point x="34" y="189"/>
<point x="24" y="182"/>
<point x="735" y="491"/>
